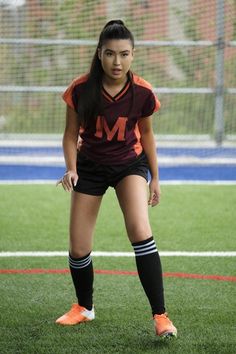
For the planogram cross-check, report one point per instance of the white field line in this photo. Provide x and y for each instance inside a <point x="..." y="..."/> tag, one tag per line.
<point x="32" y="140"/>
<point x="36" y="160"/>
<point x="55" y="140"/>
<point x="198" y="182"/>
<point x="163" y="160"/>
<point x="30" y="181"/>
<point x="120" y="254"/>
<point x="164" y="182"/>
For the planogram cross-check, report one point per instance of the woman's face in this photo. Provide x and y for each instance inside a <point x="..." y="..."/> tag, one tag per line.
<point x="116" y="56"/>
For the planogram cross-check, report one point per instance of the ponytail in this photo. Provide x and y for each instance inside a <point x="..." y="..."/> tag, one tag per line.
<point x="90" y="100"/>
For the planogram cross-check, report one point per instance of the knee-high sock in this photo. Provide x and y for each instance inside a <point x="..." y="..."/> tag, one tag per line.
<point x="82" y="275"/>
<point x="150" y="273"/>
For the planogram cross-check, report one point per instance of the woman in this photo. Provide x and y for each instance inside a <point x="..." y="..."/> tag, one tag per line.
<point x="110" y="110"/>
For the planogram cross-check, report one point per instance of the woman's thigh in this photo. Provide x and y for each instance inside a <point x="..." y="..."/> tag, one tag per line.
<point x="83" y="215"/>
<point x="133" y="199"/>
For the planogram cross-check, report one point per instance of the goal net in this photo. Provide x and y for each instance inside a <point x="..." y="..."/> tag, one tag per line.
<point x="186" y="49"/>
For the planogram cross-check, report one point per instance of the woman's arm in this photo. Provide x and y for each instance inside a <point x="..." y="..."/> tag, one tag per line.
<point x="70" y="140"/>
<point x="149" y="146"/>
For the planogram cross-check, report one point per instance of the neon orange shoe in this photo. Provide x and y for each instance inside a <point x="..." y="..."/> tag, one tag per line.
<point x="76" y="315"/>
<point x="164" y="327"/>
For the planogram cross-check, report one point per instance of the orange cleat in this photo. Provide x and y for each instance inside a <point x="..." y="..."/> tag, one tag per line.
<point x="164" y="327"/>
<point x="76" y="315"/>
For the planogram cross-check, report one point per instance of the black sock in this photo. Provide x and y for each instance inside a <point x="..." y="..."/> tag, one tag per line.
<point x="82" y="275"/>
<point x="150" y="273"/>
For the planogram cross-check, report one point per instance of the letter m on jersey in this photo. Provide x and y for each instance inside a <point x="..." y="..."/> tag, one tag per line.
<point x="119" y="126"/>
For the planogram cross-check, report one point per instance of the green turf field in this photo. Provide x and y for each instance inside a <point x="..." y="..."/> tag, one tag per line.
<point x="189" y="218"/>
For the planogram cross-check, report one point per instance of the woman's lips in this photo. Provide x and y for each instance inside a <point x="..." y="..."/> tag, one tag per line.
<point x="116" y="71"/>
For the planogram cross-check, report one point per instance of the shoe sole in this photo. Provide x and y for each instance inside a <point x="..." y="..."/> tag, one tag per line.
<point x="73" y="324"/>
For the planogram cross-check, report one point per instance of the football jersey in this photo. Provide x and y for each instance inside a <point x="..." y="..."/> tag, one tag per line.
<point x="114" y="136"/>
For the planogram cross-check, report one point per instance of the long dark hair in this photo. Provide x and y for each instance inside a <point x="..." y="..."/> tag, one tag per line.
<point x="90" y="102"/>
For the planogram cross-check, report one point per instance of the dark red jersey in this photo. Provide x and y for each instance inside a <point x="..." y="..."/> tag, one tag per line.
<point x="115" y="137"/>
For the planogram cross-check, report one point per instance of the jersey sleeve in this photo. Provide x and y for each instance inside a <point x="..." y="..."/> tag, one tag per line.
<point x="68" y="95"/>
<point x="151" y="105"/>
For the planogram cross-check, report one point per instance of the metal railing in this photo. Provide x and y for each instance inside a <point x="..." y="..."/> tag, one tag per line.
<point x="219" y="90"/>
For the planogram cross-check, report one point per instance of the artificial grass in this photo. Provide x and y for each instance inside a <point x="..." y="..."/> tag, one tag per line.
<point x="202" y="311"/>
<point x="190" y="218"/>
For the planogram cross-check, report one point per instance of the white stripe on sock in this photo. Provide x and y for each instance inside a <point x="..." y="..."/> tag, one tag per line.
<point x="144" y="245"/>
<point x="77" y="264"/>
<point x="151" y="247"/>
<point x="145" y="253"/>
<point x="144" y="249"/>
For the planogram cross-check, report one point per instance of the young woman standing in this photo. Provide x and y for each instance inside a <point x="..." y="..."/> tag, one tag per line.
<point x="110" y="109"/>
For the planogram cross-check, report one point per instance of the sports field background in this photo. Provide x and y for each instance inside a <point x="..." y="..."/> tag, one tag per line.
<point x="187" y="50"/>
<point x="190" y="162"/>
<point x="193" y="218"/>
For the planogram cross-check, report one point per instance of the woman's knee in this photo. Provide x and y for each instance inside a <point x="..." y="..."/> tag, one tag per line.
<point x="79" y="252"/>
<point x="139" y="231"/>
<point x="80" y="244"/>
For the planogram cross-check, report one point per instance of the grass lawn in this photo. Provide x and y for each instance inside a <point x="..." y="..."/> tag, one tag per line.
<point x="189" y="218"/>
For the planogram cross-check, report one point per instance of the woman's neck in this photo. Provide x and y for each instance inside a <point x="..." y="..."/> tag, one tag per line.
<point x="113" y="86"/>
<point x="112" y="83"/>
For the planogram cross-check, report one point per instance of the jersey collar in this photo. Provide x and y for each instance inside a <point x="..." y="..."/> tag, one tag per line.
<point x="118" y="95"/>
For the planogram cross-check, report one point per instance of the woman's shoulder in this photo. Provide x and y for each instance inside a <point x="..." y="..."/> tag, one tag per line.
<point x="79" y="80"/>
<point x="74" y="89"/>
<point x="138" y="80"/>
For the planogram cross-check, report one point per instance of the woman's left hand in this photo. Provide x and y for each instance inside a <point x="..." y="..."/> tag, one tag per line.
<point x="154" y="192"/>
<point x="68" y="181"/>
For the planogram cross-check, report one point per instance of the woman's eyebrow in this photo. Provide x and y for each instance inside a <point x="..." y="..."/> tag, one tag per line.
<point x="113" y="51"/>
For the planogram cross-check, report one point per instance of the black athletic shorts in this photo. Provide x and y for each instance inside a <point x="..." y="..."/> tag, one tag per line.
<point x="95" y="178"/>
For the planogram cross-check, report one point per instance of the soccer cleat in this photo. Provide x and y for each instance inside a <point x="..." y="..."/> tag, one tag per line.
<point x="164" y="327"/>
<point x="76" y="315"/>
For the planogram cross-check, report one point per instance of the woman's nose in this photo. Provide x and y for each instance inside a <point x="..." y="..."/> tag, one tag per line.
<point x="117" y="60"/>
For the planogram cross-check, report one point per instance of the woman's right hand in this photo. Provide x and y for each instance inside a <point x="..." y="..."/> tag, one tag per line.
<point x="68" y="181"/>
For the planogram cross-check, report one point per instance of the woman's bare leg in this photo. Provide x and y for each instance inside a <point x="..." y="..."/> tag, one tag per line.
<point x="132" y="196"/>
